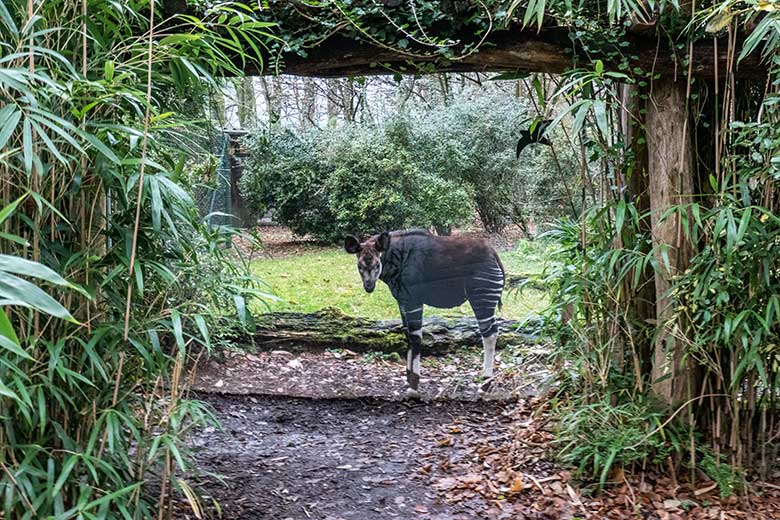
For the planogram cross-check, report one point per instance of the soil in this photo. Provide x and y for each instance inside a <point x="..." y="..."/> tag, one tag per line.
<point x="328" y="435"/>
<point x="343" y="374"/>
<point x="293" y="458"/>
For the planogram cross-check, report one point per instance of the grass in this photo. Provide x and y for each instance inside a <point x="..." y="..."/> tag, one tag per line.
<point x="313" y="281"/>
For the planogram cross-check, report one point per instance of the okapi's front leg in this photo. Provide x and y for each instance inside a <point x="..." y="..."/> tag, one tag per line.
<point x="412" y="319"/>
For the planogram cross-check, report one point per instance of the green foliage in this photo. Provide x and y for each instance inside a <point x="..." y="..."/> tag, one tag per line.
<point x="448" y="31"/>
<point x="419" y="169"/>
<point x="600" y="437"/>
<point x="730" y="480"/>
<point x="355" y="179"/>
<point x="86" y="423"/>
<point x="471" y="142"/>
<point x="593" y="291"/>
<point x="375" y="185"/>
<point x="283" y="173"/>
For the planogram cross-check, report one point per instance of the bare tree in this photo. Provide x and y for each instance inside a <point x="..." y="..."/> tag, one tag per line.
<point x="273" y="98"/>
<point x="247" y="103"/>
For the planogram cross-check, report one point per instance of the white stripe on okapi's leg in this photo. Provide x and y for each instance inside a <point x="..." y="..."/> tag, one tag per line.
<point x="489" y="344"/>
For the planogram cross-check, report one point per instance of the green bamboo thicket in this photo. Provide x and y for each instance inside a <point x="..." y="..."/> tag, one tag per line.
<point x="110" y="280"/>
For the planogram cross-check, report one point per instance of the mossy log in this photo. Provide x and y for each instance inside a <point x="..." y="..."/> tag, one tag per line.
<point x="331" y="328"/>
<point x="523" y="281"/>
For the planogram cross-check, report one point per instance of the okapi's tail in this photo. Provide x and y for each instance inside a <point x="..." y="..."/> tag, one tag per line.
<point x="503" y="273"/>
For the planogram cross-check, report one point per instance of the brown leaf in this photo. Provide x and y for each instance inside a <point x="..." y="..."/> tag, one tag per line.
<point x="705" y="489"/>
<point x="471" y="478"/>
<point x="449" y="441"/>
<point x="518" y="485"/>
<point x="445" y="484"/>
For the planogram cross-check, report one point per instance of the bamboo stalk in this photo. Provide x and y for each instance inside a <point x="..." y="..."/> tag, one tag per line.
<point x="139" y="196"/>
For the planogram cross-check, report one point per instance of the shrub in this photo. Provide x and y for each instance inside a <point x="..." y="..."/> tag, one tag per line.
<point x="356" y="179"/>
<point x="422" y="169"/>
<point x="599" y="437"/>
<point x="284" y="175"/>
<point x="375" y="184"/>
<point x="472" y="142"/>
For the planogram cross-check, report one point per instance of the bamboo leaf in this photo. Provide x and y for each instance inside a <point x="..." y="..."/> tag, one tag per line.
<point x="10" y="117"/>
<point x="177" y="329"/>
<point x="6" y="330"/>
<point x="106" y="499"/>
<point x="12" y="346"/>
<point x="16" y="291"/>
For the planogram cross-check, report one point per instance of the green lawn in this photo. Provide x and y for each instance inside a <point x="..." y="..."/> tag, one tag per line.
<point x="317" y="280"/>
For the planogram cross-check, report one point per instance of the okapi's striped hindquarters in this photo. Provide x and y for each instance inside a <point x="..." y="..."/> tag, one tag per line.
<point x="423" y="269"/>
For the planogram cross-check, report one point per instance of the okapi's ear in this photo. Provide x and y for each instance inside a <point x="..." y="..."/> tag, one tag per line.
<point x="383" y="241"/>
<point x="351" y="244"/>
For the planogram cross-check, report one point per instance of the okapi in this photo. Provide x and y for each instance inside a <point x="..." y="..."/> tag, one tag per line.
<point x="423" y="269"/>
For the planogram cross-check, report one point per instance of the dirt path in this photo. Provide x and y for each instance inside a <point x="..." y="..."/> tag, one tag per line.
<point x="294" y="458"/>
<point x="328" y="436"/>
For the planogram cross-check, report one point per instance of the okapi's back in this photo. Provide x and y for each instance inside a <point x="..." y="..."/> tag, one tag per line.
<point x="439" y="271"/>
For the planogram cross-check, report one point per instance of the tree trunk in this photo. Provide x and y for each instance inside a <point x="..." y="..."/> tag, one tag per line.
<point x="309" y="112"/>
<point x="348" y="107"/>
<point x="272" y="94"/>
<point x="247" y="103"/>
<point x="670" y="169"/>
<point x="217" y="106"/>
<point x="331" y="92"/>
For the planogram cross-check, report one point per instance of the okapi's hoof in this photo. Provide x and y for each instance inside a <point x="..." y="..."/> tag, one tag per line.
<point x="413" y="380"/>
<point x="486" y="386"/>
<point x="412" y="393"/>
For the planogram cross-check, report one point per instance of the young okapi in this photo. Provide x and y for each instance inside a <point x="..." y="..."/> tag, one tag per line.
<point x="423" y="269"/>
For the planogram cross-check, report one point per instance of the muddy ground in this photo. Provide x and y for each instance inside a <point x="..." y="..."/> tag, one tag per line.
<point x="328" y="435"/>
<point x="331" y="459"/>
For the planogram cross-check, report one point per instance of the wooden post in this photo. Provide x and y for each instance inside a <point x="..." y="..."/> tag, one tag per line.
<point x="237" y="153"/>
<point x="670" y="168"/>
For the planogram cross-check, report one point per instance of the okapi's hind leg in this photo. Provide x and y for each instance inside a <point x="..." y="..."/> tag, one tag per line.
<point x="489" y="346"/>
<point x="412" y="319"/>
<point x="484" y="301"/>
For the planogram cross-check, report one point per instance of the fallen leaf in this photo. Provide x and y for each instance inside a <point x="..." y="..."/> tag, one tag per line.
<point x="672" y="504"/>
<point x="518" y="485"/>
<point x="706" y="489"/>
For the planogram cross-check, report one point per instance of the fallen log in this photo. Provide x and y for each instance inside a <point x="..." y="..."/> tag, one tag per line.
<point x="331" y="328"/>
<point x="524" y="281"/>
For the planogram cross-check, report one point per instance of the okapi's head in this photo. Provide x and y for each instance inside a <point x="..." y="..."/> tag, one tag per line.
<point x="369" y="253"/>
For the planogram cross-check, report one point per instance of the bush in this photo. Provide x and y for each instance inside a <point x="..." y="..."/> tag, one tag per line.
<point x="356" y="179"/>
<point x="284" y="175"/>
<point x="419" y="169"/>
<point x="599" y="437"/>
<point x="375" y="184"/>
<point x="472" y="142"/>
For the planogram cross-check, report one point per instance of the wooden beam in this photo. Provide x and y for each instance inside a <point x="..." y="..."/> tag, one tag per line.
<point x="549" y="50"/>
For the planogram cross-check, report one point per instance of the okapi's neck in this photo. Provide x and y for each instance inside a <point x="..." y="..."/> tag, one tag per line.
<point x="391" y="265"/>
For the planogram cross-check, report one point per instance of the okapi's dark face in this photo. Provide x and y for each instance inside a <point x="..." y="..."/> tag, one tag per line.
<point x="369" y="255"/>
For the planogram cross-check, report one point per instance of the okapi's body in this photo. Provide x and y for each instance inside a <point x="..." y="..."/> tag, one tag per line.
<point x="423" y="269"/>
